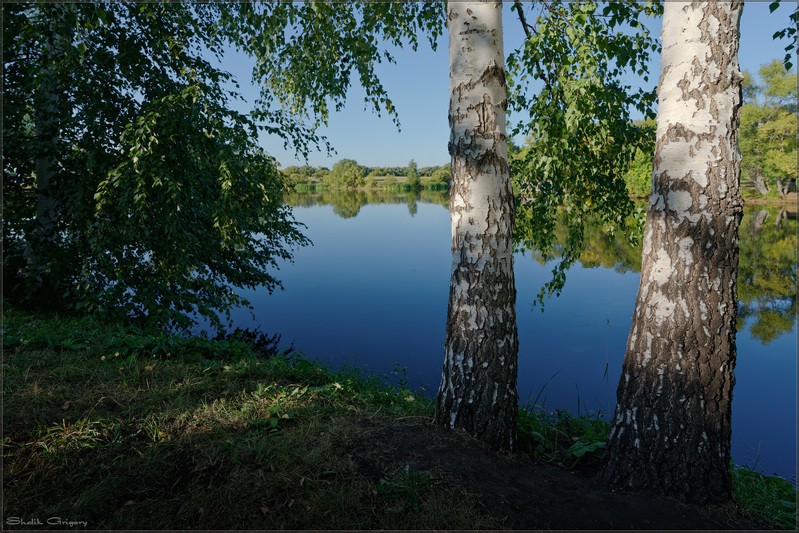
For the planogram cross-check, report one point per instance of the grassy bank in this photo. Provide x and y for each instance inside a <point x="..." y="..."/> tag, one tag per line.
<point x="788" y="202"/>
<point x="122" y="429"/>
<point x="112" y="427"/>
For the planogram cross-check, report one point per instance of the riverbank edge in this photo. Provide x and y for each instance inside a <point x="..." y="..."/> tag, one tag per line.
<point x="122" y="428"/>
<point x="789" y="202"/>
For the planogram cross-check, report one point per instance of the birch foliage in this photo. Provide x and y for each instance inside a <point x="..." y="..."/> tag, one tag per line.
<point x="789" y="32"/>
<point x="580" y="125"/>
<point x="161" y="203"/>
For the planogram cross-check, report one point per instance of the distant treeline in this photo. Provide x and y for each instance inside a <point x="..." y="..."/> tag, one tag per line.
<point x="767" y="141"/>
<point x="348" y="174"/>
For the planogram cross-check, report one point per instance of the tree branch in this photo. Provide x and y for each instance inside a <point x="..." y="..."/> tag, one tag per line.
<point x="529" y="31"/>
<point x="517" y="5"/>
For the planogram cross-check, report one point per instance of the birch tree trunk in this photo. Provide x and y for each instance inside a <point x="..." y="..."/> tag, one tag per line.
<point x="47" y="102"/>
<point x="478" y="383"/>
<point x="671" y="430"/>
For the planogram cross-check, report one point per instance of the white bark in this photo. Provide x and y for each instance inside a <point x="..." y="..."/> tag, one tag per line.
<point x="478" y="386"/>
<point x="671" y="432"/>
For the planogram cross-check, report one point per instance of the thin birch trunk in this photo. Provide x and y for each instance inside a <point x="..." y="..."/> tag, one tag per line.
<point x="47" y="104"/>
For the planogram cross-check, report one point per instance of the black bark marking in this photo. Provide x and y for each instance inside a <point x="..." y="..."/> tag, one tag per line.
<point x="671" y="430"/>
<point x="494" y="73"/>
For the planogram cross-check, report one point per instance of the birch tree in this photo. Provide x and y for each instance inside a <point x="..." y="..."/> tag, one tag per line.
<point x="478" y="384"/>
<point x="584" y="143"/>
<point x="131" y="183"/>
<point x="48" y="110"/>
<point x="671" y="429"/>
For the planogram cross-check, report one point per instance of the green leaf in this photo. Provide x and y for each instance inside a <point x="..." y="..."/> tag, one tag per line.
<point x="165" y="186"/>
<point x="580" y="136"/>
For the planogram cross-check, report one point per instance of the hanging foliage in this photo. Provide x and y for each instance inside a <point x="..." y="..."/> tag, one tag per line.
<point x="569" y="91"/>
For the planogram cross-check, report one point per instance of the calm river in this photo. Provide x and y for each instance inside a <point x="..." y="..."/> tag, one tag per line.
<point x="372" y="292"/>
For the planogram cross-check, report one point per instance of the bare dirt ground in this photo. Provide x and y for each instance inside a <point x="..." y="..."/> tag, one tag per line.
<point x="525" y="494"/>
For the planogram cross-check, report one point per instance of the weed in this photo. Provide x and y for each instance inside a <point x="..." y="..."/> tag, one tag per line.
<point x="403" y="489"/>
<point x="72" y="436"/>
<point x="586" y="453"/>
<point x="562" y="438"/>
<point x="402" y="375"/>
<point x="262" y="344"/>
<point x="770" y="499"/>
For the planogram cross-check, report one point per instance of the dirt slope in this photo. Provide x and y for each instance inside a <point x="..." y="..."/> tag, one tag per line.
<point x="524" y="494"/>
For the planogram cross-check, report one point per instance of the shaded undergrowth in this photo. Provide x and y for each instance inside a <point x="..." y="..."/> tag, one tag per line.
<point x="578" y="443"/>
<point x="573" y="442"/>
<point x="122" y="428"/>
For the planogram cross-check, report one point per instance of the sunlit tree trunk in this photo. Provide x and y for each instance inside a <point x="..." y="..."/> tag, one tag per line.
<point x="671" y="430"/>
<point x="478" y="385"/>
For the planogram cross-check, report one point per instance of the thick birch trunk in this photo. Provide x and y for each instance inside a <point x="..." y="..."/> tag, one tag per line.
<point x="478" y="384"/>
<point x="671" y="430"/>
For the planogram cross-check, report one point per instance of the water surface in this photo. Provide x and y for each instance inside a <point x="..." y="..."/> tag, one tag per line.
<point x="372" y="292"/>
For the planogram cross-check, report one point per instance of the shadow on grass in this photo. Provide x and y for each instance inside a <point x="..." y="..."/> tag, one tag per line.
<point x="194" y="439"/>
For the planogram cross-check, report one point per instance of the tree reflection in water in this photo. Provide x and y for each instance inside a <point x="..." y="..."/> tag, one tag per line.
<point x="766" y="272"/>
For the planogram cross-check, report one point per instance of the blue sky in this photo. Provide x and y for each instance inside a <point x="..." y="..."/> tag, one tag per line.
<point x="419" y="86"/>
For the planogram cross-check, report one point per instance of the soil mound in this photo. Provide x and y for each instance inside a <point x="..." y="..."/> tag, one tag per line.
<point x="521" y="493"/>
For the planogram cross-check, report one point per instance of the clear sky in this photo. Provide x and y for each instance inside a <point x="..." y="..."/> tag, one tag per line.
<point x="419" y="86"/>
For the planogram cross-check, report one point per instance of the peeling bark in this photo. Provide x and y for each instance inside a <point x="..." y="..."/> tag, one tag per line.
<point x="671" y="430"/>
<point x="478" y="384"/>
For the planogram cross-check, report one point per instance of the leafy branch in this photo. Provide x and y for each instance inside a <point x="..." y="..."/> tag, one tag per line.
<point x="580" y="133"/>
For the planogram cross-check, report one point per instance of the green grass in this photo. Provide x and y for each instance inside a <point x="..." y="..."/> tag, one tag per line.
<point x="771" y="500"/>
<point x="128" y="429"/>
<point x="574" y="442"/>
<point x="125" y="428"/>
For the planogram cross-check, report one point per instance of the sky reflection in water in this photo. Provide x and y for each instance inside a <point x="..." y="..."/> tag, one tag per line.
<point x="372" y="292"/>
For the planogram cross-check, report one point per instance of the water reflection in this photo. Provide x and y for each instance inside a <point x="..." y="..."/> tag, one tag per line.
<point x="348" y="203"/>
<point x="372" y="293"/>
<point x="766" y="273"/>
<point x="620" y="251"/>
